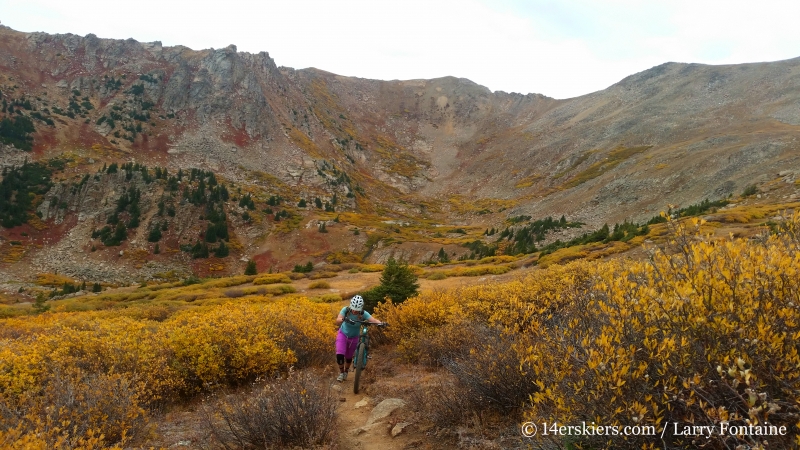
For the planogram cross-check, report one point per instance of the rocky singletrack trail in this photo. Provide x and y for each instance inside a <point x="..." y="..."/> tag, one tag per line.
<point x="379" y="417"/>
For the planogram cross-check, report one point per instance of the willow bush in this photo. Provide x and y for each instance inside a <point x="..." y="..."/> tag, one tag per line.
<point x="703" y="332"/>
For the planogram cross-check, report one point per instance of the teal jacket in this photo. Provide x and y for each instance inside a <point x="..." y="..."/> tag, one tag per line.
<point x="348" y="329"/>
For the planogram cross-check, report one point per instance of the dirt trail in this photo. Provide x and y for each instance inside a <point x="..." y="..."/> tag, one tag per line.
<point x="378" y="437"/>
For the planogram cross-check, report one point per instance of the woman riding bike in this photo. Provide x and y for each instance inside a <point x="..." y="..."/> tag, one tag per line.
<point x="347" y="337"/>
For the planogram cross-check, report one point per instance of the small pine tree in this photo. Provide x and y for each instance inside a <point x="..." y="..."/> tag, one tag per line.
<point x="97" y="288"/>
<point x="322" y="228"/>
<point x="302" y="203"/>
<point x="39" y="305"/>
<point x="398" y="282"/>
<point x="221" y="251"/>
<point x="156" y="250"/>
<point x="200" y="250"/>
<point x="211" y="233"/>
<point x="155" y="234"/>
<point x="251" y="268"/>
<point x="443" y="258"/>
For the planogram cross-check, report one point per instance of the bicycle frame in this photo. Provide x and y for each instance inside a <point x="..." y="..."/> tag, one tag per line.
<point x="362" y="352"/>
<point x="363" y="338"/>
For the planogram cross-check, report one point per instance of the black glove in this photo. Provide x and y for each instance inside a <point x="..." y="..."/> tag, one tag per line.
<point x="351" y="321"/>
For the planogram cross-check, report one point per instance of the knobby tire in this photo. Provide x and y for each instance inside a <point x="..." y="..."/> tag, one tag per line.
<point x="361" y="354"/>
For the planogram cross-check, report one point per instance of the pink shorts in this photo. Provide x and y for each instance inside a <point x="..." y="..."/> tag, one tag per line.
<point x="346" y="345"/>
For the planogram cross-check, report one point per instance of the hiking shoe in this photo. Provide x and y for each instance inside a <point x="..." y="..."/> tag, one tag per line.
<point x="342" y="376"/>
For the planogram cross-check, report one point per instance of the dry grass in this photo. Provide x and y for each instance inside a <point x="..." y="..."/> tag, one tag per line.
<point x="528" y="181"/>
<point x="615" y="157"/>
<point x="11" y="253"/>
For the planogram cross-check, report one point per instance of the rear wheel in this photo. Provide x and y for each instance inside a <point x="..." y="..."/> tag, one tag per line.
<point x="360" y="361"/>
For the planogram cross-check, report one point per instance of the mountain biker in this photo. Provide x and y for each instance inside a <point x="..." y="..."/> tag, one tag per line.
<point x="347" y="337"/>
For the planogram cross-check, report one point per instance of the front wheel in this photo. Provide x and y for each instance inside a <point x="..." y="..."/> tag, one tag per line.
<point x="360" y="361"/>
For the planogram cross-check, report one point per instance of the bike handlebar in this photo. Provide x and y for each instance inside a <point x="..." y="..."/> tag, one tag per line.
<point x="364" y="322"/>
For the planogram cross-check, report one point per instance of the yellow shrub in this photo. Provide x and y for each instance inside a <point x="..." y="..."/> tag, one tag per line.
<point x="228" y="344"/>
<point x="702" y="333"/>
<point x="476" y="271"/>
<point x="372" y="268"/>
<point x="497" y="259"/>
<point x="343" y="257"/>
<point x="281" y="289"/>
<point x="564" y="255"/>
<point x="318" y="275"/>
<point x="49" y="279"/>
<point x="82" y="380"/>
<point x="272" y="279"/>
<point x="230" y="281"/>
<point x="76" y="410"/>
<point x="327" y="298"/>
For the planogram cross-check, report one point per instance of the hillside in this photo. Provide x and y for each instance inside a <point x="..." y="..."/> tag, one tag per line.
<point x="633" y="252"/>
<point x="391" y="168"/>
<point x="246" y="361"/>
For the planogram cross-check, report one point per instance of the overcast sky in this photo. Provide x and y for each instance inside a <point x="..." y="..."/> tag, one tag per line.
<point x="557" y="48"/>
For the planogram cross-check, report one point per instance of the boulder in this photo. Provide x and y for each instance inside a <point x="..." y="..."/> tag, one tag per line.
<point x="365" y="428"/>
<point x="384" y="409"/>
<point x="362" y="403"/>
<point x="399" y="428"/>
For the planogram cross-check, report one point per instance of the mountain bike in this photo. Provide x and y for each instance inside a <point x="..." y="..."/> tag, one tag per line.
<point x="362" y="350"/>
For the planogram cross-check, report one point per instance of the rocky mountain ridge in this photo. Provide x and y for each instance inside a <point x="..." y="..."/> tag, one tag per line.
<point x="445" y="150"/>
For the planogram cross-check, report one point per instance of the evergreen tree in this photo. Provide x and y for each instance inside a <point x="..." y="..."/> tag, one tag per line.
<point x="200" y="250"/>
<point x="251" y="268"/>
<point x="211" y="233"/>
<point x="398" y="282"/>
<point x="443" y="258"/>
<point x="155" y="233"/>
<point x="221" y="251"/>
<point x="39" y="305"/>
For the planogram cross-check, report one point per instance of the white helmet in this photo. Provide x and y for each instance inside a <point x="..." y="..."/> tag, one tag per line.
<point x="357" y="303"/>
